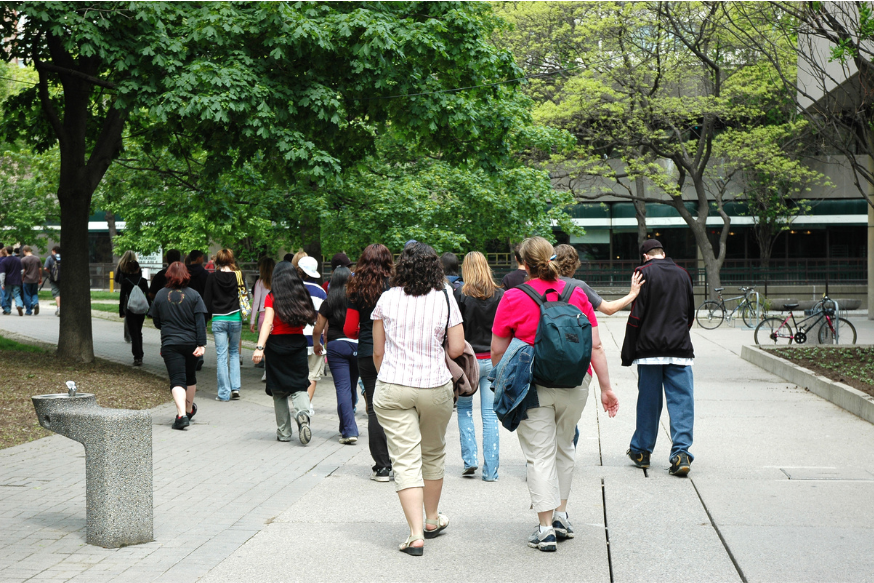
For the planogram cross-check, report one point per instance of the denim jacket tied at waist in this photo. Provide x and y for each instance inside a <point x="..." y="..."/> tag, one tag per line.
<point x="511" y="379"/>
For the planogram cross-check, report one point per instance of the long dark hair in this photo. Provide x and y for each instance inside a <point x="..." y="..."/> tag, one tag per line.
<point x="418" y="270"/>
<point x="371" y="270"/>
<point x="291" y="300"/>
<point x="336" y="302"/>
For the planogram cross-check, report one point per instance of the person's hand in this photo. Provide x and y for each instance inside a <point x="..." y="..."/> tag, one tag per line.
<point x="257" y="356"/>
<point x="198" y="352"/>
<point x="317" y="347"/>
<point x="252" y="327"/>
<point x="636" y="282"/>
<point x="610" y="402"/>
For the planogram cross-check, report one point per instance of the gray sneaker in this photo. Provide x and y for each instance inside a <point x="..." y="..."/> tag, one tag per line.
<point x="562" y="527"/>
<point x="544" y="541"/>
<point x="303" y="428"/>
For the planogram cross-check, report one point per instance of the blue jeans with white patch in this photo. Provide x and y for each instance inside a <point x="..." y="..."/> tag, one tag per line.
<point x="491" y="439"/>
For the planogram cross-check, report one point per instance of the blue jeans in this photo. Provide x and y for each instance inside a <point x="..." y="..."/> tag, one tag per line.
<point x="343" y="360"/>
<point x="227" y="350"/>
<point x="12" y="292"/>
<point x="30" y="291"/>
<point x="677" y="382"/>
<point x="491" y="439"/>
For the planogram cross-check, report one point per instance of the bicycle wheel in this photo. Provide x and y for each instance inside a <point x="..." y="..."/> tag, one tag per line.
<point x="846" y="333"/>
<point x="752" y="313"/>
<point x="710" y="315"/>
<point x="773" y="332"/>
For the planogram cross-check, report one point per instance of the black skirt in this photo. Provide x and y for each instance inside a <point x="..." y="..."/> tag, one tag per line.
<point x="287" y="366"/>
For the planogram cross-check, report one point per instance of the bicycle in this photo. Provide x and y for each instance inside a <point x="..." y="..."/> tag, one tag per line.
<point x="711" y="313"/>
<point x="832" y="330"/>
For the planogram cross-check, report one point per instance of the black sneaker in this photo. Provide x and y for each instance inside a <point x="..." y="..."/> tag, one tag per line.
<point x="640" y="458"/>
<point x="680" y="465"/>
<point x="138" y="362"/>
<point x="544" y="541"/>
<point x="303" y="428"/>
<point x="181" y="422"/>
<point x="380" y="475"/>
<point x="193" y="411"/>
<point x="469" y="471"/>
<point x="235" y="395"/>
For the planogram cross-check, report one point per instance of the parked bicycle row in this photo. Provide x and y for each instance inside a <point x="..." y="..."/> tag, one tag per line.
<point x="821" y="323"/>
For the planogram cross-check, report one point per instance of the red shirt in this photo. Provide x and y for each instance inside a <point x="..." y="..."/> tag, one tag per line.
<point x="280" y="327"/>
<point x="518" y="315"/>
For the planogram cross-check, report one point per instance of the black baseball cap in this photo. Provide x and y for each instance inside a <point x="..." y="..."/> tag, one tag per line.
<point x="649" y="245"/>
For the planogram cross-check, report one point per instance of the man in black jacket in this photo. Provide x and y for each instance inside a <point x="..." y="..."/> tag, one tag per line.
<point x="197" y="272"/>
<point x="159" y="280"/>
<point x="657" y="340"/>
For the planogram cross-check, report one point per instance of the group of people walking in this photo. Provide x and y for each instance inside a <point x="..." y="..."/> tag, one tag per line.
<point x="22" y="275"/>
<point x="404" y="327"/>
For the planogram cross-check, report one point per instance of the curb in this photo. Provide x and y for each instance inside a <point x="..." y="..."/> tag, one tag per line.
<point x="844" y="396"/>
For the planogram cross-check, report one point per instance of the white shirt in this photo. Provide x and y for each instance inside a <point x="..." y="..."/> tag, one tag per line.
<point x="414" y="331"/>
<point x="664" y="360"/>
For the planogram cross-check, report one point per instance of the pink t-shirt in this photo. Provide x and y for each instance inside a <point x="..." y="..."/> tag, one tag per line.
<point x="518" y="315"/>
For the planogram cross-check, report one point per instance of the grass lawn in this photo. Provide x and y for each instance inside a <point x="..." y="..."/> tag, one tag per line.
<point x="113" y="308"/>
<point x="46" y="294"/>
<point x="29" y="370"/>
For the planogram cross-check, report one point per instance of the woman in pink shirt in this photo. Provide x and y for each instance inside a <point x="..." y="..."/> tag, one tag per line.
<point x="546" y="436"/>
<point x="413" y="397"/>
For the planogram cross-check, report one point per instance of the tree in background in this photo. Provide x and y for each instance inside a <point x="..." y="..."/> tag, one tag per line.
<point x="305" y="88"/>
<point x="648" y="90"/>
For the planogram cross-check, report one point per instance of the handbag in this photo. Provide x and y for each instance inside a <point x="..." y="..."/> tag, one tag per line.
<point x="245" y="304"/>
<point x="465" y="367"/>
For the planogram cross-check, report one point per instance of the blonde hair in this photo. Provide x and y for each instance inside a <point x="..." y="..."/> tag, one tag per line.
<point x="477" y="276"/>
<point x="296" y="259"/>
<point x="568" y="260"/>
<point x="539" y="256"/>
<point x="225" y="258"/>
<point x="127" y="261"/>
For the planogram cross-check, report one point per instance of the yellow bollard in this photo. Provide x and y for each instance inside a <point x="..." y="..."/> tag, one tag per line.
<point x="111" y="282"/>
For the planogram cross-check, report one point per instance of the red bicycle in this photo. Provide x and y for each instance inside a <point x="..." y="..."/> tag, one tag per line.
<point x="832" y="329"/>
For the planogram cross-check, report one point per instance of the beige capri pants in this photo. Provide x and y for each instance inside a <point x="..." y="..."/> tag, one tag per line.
<point x="415" y="421"/>
<point x="547" y="440"/>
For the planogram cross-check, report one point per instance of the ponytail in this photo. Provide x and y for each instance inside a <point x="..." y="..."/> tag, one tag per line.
<point x="538" y="254"/>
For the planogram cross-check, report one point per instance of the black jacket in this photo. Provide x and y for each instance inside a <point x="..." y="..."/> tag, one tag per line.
<point x="222" y="296"/>
<point x="126" y="283"/>
<point x="662" y="314"/>
<point x="199" y="276"/>
<point x="478" y="317"/>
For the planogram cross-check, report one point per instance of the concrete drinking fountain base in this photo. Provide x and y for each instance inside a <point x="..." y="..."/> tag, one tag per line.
<point x="118" y="464"/>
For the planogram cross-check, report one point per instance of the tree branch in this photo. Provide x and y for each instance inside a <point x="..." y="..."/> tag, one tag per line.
<point x="41" y="66"/>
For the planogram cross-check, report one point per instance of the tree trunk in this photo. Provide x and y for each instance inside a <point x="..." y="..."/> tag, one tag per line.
<point x="698" y="225"/>
<point x="74" y="337"/>
<point x="640" y="215"/>
<point x="110" y="224"/>
<point x="311" y="237"/>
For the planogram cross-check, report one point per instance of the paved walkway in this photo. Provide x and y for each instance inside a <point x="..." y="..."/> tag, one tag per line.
<point x="781" y="490"/>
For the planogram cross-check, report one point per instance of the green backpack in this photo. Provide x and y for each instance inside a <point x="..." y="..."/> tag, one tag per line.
<point x="563" y="345"/>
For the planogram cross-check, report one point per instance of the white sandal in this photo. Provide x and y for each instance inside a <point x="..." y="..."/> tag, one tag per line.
<point x="441" y="523"/>
<point x="407" y="546"/>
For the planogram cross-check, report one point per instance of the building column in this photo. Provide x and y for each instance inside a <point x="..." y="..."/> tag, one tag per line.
<point x="870" y="262"/>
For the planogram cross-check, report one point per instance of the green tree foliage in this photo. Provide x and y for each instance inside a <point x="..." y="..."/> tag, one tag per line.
<point x="27" y="180"/>
<point x="305" y="88"/>
<point x="649" y="90"/>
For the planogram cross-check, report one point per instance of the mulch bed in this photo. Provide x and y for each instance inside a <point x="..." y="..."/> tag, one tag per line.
<point x="851" y="365"/>
<point x="30" y="371"/>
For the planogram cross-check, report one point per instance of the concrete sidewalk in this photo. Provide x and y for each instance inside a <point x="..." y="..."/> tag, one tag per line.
<point x="780" y="491"/>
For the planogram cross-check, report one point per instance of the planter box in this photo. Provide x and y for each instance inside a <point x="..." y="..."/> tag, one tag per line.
<point x="844" y="396"/>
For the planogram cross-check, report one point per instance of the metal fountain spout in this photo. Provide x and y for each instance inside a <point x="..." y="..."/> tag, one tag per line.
<point x="71" y="388"/>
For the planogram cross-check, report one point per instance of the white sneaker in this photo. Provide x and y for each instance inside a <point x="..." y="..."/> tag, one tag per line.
<point x="58" y="312"/>
<point x="264" y="377"/>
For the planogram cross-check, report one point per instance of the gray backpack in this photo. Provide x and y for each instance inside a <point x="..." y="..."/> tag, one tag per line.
<point x="136" y="301"/>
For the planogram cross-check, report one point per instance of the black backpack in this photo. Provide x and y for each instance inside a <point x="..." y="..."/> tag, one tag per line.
<point x="563" y="345"/>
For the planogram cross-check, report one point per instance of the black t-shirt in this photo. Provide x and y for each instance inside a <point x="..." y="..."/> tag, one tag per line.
<point x="365" y="327"/>
<point x="180" y="315"/>
<point x="335" y="322"/>
<point x="514" y="279"/>
<point x="158" y="283"/>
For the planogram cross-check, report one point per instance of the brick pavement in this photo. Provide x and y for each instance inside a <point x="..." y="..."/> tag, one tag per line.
<point x="215" y="485"/>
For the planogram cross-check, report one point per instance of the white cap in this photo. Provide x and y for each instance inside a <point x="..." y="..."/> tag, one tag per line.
<point x="310" y="266"/>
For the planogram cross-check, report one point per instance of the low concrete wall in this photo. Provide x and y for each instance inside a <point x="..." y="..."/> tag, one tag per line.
<point x="844" y="396"/>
